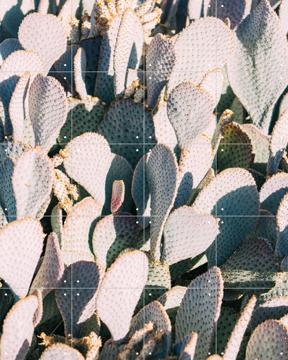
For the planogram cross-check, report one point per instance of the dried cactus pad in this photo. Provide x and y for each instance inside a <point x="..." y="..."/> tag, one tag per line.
<point x="76" y="295"/>
<point x="188" y="234"/>
<point x="231" y="196"/>
<point x="32" y="182"/>
<point x="61" y="352"/>
<point x="45" y="35"/>
<point x="21" y="245"/>
<point x="120" y="291"/>
<point x="269" y="341"/>
<point x="189" y="110"/>
<point x="200" y="310"/>
<point x="162" y="181"/>
<point x="256" y="72"/>
<point x="47" y="109"/>
<point x="18" y="329"/>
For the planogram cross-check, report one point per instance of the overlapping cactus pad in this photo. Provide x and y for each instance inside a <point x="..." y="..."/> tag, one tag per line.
<point x="144" y="179"/>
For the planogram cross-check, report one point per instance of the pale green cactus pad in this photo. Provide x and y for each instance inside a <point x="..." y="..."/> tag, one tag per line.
<point x="21" y="243"/>
<point x="160" y="61"/>
<point x="255" y="257"/>
<point x="113" y="234"/>
<point x="52" y="267"/>
<point x="268" y="341"/>
<point x="199" y="50"/>
<point x="18" y="328"/>
<point x="31" y="36"/>
<point x="76" y="295"/>
<point x="281" y="216"/>
<point x="178" y="243"/>
<point x="161" y="165"/>
<point x="189" y="110"/>
<point x="116" y="300"/>
<point x="123" y="127"/>
<point x="249" y="68"/>
<point x="75" y="235"/>
<point x="273" y="191"/>
<point x="47" y="110"/>
<point x="227" y="205"/>
<point x="200" y="310"/>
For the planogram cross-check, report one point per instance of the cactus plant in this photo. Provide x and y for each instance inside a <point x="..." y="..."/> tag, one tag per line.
<point x="143" y="179"/>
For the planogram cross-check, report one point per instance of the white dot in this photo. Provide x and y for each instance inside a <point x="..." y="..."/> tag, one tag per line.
<point x="149" y="221"/>
<point x="65" y="78"/>
<point x="5" y="294"/>
<point x="222" y="150"/>
<point x="150" y="294"/>
<point x="150" y="137"/>
<point x="150" y="353"/>
<point x="137" y="222"/>
<point x="281" y="353"/>
<point x="137" y="137"/>
<point x="65" y="294"/>
<point x="65" y="137"/>
<point x="65" y="281"/>
<point x="78" y="281"/>
<point x="5" y="209"/>
<point x="222" y="209"/>
<point x="222" y="6"/>
<point x="137" y="150"/>
<point x="222" y="222"/>
<point x="77" y="294"/>
<point x="65" y="65"/>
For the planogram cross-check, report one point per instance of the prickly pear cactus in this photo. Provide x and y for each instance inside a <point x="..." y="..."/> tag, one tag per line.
<point x="143" y="179"/>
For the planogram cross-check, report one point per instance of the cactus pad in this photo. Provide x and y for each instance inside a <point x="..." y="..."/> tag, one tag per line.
<point x="120" y="291"/>
<point x="76" y="295"/>
<point x="224" y="198"/>
<point x="179" y="243"/>
<point x="200" y="310"/>
<point x="45" y="35"/>
<point x="161" y="166"/>
<point x="18" y="329"/>
<point x="21" y="243"/>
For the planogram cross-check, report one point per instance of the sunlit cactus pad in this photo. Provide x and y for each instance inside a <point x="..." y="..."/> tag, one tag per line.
<point x="143" y="179"/>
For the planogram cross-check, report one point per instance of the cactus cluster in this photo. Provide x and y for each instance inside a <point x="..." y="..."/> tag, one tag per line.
<point x="143" y="179"/>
